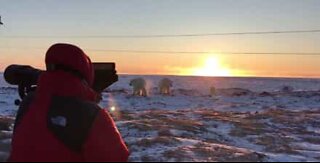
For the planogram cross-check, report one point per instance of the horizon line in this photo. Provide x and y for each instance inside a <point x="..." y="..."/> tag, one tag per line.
<point x="234" y="76"/>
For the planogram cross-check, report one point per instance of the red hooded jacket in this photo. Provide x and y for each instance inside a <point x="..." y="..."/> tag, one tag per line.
<point x="62" y="123"/>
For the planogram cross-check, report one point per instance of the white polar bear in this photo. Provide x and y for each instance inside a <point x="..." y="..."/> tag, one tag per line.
<point x="164" y="86"/>
<point x="139" y="87"/>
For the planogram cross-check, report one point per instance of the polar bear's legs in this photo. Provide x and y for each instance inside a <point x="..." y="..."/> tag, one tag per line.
<point x="165" y="90"/>
<point x="140" y="92"/>
<point x="144" y="92"/>
<point x="136" y="92"/>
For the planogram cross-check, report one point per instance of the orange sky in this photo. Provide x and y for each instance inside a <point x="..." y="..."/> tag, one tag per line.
<point x="34" y="27"/>
<point x="186" y="64"/>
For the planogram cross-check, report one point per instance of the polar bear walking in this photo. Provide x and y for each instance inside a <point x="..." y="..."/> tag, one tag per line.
<point x="164" y="86"/>
<point x="139" y="87"/>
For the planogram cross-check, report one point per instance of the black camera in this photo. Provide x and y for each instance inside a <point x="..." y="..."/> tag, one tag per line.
<point x="105" y="75"/>
<point x="26" y="77"/>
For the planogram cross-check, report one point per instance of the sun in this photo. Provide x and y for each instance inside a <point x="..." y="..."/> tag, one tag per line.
<point x="212" y="66"/>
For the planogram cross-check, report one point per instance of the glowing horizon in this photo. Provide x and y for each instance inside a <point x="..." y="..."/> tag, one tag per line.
<point x="206" y="65"/>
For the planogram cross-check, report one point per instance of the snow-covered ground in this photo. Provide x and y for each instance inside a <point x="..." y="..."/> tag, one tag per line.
<point x="249" y="119"/>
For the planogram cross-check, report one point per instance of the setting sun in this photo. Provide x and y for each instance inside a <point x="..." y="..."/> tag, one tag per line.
<point x="212" y="66"/>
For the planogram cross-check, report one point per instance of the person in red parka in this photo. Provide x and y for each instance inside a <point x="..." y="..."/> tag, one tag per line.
<point x="61" y="121"/>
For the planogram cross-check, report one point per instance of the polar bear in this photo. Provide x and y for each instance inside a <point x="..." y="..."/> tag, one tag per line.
<point x="164" y="86"/>
<point x="139" y="87"/>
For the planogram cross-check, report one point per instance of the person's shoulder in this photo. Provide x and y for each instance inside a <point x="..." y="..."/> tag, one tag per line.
<point x="73" y="107"/>
<point x="71" y="119"/>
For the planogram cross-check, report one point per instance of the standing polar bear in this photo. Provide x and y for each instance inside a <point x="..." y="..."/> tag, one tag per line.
<point x="164" y="86"/>
<point x="139" y="87"/>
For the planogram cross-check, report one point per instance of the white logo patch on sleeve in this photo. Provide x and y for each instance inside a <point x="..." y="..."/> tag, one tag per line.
<point x="59" y="121"/>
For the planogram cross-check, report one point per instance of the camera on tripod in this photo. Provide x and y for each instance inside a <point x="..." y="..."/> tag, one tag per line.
<point x="26" y="77"/>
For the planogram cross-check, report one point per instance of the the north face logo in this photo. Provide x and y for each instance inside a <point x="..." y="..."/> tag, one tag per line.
<point x="59" y="121"/>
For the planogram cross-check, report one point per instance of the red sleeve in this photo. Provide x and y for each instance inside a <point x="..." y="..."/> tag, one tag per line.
<point x="104" y="142"/>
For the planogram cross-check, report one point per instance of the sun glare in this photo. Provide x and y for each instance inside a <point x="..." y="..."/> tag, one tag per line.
<point x="212" y="67"/>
